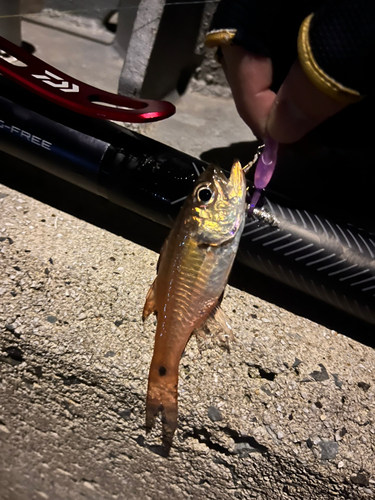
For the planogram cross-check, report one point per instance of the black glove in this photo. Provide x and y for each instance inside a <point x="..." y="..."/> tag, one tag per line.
<point x="336" y="41"/>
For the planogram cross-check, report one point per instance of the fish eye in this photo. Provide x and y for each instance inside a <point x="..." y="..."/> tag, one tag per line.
<point x="204" y="194"/>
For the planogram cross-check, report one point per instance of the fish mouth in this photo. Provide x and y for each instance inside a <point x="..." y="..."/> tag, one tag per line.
<point x="237" y="181"/>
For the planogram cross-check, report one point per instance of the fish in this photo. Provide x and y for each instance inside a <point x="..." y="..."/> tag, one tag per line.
<point x="192" y="272"/>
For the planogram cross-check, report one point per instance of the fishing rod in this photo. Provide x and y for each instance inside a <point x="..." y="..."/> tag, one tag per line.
<point x="330" y="260"/>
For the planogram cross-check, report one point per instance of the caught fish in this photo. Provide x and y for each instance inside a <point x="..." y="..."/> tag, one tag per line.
<point x="192" y="273"/>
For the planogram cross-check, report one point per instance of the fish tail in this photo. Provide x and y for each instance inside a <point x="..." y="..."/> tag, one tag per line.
<point x="169" y="420"/>
<point x="162" y="398"/>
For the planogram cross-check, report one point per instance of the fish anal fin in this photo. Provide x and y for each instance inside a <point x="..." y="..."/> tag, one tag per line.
<point x="150" y="304"/>
<point x="202" y="331"/>
<point x="218" y="325"/>
<point x="225" y="333"/>
<point x="219" y="316"/>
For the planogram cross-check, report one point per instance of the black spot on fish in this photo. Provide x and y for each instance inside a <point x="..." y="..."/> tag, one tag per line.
<point x="162" y="371"/>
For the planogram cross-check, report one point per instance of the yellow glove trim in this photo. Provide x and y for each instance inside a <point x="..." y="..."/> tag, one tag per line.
<point x="318" y="77"/>
<point x="216" y="38"/>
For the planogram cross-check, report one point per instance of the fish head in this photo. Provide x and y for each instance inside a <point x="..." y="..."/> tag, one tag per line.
<point x="218" y="205"/>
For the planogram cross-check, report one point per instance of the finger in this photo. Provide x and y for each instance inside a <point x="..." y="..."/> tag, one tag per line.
<point x="299" y="107"/>
<point x="249" y="77"/>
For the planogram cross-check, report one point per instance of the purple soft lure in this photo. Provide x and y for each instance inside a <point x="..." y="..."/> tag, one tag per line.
<point x="263" y="171"/>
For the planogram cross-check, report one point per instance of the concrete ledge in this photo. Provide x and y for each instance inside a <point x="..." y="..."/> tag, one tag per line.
<point x="288" y="413"/>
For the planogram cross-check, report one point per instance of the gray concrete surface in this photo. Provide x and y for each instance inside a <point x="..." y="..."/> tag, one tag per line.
<point x="94" y="9"/>
<point x="288" y="413"/>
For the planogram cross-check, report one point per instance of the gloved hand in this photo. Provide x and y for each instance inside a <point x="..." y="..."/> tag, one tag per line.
<point x="291" y="66"/>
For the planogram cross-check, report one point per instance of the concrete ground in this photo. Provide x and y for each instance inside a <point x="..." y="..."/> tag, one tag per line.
<point x="288" y="413"/>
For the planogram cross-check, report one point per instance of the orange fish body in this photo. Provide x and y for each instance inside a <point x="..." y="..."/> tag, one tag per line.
<point x="193" y="270"/>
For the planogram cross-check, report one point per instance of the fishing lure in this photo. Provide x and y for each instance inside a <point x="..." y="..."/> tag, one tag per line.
<point x="192" y="273"/>
<point x="265" y="167"/>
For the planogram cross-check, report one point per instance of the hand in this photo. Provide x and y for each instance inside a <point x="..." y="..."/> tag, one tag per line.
<point x="297" y="108"/>
<point x="250" y="78"/>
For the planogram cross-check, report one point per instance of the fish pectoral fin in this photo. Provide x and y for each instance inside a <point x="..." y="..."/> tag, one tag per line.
<point x="150" y="304"/>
